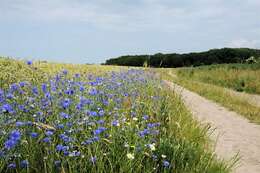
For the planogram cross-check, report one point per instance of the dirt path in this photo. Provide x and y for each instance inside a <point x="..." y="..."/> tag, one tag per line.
<point x="234" y="134"/>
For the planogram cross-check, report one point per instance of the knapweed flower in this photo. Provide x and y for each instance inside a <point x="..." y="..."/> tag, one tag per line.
<point x="130" y="156"/>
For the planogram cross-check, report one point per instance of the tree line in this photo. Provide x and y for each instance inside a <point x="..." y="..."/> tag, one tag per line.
<point x="213" y="56"/>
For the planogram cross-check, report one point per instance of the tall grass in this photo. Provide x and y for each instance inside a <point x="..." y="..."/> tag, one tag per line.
<point x="123" y="121"/>
<point x="240" y="77"/>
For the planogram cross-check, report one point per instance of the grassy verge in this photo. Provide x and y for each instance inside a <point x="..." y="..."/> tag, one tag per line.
<point x="239" y="77"/>
<point x="217" y="94"/>
<point x="122" y="121"/>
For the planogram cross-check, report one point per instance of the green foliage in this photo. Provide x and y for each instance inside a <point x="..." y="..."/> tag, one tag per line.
<point x="214" y="56"/>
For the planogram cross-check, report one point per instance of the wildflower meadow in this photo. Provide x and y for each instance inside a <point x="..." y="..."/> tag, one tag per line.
<point x="115" y="121"/>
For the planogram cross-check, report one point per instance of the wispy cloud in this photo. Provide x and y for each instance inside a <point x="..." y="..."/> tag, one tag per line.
<point x="134" y="14"/>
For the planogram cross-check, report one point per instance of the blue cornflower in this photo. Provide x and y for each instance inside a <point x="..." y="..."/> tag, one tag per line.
<point x="15" y="135"/>
<point x="93" y="91"/>
<point x="22" y="84"/>
<point x="48" y="95"/>
<point x="101" y="113"/>
<point x="9" y="96"/>
<point x="14" y="87"/>
<point x="65" y="72"/>
<point x="24" y="163"/>
<point x="49" y="133"/>
<point x="46" y="140"/>
<point x="81" y="88"/>
<point x="69" y="92"/>
<point x="34" y="134"/>
<point x="35" y="90"/>
<point x="60" y="147"/>
<point x="66" y="103"/>
<point x="115" y="123"/>
<point x="144" y="133"/>
<point x="101" y="121"/>
<point x="9" y="144"/>
<point x="65" y="138"/>
<point x="44" y="87"/>
<point x="93" y="160"/>
<point x="19" y="124"/>
<point x="99" y="130"/>
<point x="64" y="115"/>
<point x="145" y="117"/>
<point x="77" y="75"/>
<point x="7" y="108"/>
<point x="92" y="113"/>
<point x="166" y="163"/>
<point x="29" y="62"/>
<point x="60" y="126"/>
<point x="11" y="166"/>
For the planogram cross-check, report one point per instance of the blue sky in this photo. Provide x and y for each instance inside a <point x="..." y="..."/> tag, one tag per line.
<point x="91" y="31"/>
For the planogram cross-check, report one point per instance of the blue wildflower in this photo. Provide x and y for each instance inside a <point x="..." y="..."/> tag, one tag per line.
<point x="9" y="96"/>
<point x="19" y="124"/>
<point x="99" y="130"/>
<point x="46" y="140"/>
<point x="7" y="108"/>
<point x="60" y="147"/>
<point x="166" y="163"/>
<point x="34" y="134"/>
<point x="144" y="133"/>
<point x="35" y="90"/>
<point x="77" y="75"/>
<point x="15" y="135"/>
<point x="44" y="88"/>
<point x="93" y="91"/>
<point x="93" y="160"/>
<point x="145" y="117"/>
<point x="64" y="115"/>
<point x="11" y="166"/>
<point x="24" y="163"/>
<point x="115" y="123"/>
<point x="9" y="144"/>
<point x="65" y="72"/>
<point x="29" y="62"/>
<point x="66" y="103"/>
<point x="49" y="133"/>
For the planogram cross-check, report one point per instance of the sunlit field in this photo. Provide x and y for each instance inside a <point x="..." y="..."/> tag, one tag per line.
<point x="84" y="118"/>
